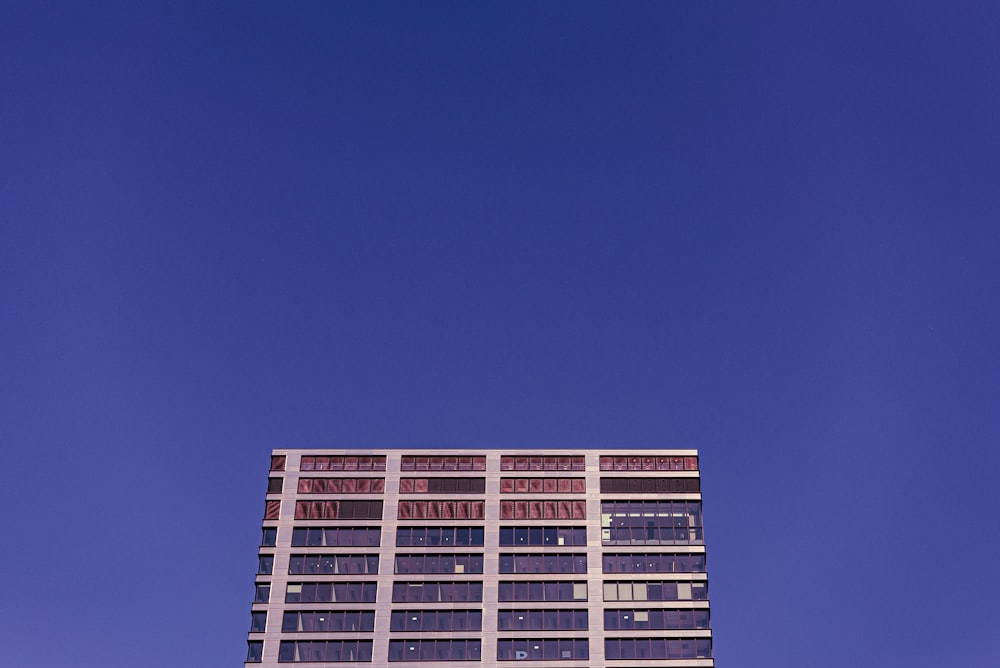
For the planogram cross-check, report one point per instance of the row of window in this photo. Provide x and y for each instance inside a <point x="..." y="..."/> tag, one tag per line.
<point x="542" y="620"/>
<point x="543" y="463"/>
<point x="338" y="510"/>
<point x="653" y="563"/>
<point x="341" y="485"/>
<point x="302" y="651"/>
<point x="335" y="537"/>
<point x="543" y="510"/>
<point x="436" y="620"/>
<point x="333" y="621"/>
<point x="652" y="536"/>
<point x="534" y="590"/>
<point x="657" y="648"/>
<point x="436" y="463"/>
<point x="442" y="485"/>
<point x="332" y="564"/>
<point x="440" y="536"/>
<point x="543" y="485"/>
<point x="650" y="485"/>
<point x="330" y="592"/>
<point x="439" y="563"/>
<point x="341" y="463"/>
<point x="435" y="650"/>
<point x="543" y="563"/>
<point x="656" y="619"/>
<point x="639" y="513"/>
<point x="433" y="592"/>
<point x="655" y="591"/>
<point x="646" y="463"/>
<point x="442" y="510"/>
<point x="549" y="649"/>
<point x="547" y="536"/>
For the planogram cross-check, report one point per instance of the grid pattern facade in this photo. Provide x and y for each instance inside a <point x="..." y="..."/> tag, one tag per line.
<point x="489" y="557"/>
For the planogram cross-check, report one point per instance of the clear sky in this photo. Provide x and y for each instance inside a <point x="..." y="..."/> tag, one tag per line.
<point x="769" y="231"/>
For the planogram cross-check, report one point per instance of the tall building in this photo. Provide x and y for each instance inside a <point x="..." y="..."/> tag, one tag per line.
<point x="585" y="557"/>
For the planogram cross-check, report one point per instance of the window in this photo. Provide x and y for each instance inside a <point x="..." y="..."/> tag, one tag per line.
<point x="341" y="485"/>
<point x="436" y="620"/>
<point x="262" y="592"/>
<point x="255" y="651"/>
<point x="265" y="564"/>
<point x="272" y="510"/>
<point x="274" y="485"/>
<point x="543" y="485"/>
<point x="434" y="592"/>
<point x="269" y="537"/>
<point x="638" y="562"/>
<point x="655" y="591"/>
<point x="439" y="463"/>
<point x="443" y="510"/>
<point x="333" y="564"/>
<point x="538" y="590"/>
<point x="440" y="536"/>
<point x="258" y="622"/>
<point x="651" y="485"/>
<point x="338" y="510"/>
<point x="647" y="463"/>
<point x="330" y="592"/>
<point x="549" y="649"/>
<point x="277" y="462"/>
<point x="435" y="650"/>
<point x="542" y="620"/>
<point x="657" y="648"/>
<point x="543" y="510"/>
<point x="656" y="619"/>
<point x="442" y="485"/>
<point x="336" y="537"/>
<point x="328" y="621"/>
<point x="547" y="536"/>
<point x="301" y="651"/>
<point x="342" y="463"/>
<point x="651" y="523"/>
<point x="543" y="463"/>
<point x="439" y="563"/>
<point x="543" y="563"/>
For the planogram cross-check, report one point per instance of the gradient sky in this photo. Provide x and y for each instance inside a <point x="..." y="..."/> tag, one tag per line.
<point x="769" y="231"/>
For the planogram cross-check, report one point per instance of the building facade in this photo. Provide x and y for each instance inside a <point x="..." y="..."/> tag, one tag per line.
<point x="450" y="557"/>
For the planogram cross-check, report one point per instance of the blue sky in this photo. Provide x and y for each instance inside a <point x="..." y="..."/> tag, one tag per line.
<point x="766" y="231"/>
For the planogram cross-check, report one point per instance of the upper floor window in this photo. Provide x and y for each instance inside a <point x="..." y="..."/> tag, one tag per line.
<point x="434" y="592"/>
<point x="637" y="649"/>
<point x="574" y="619"/>
<point x="548" y="649"/>
<point x="544" y="485"/>
<point x="341" y="485"/>
<point x="543" y="510"/>
<point x="300" y="651"/>
<point x="277" y="462"/>
<point x="330" y="592"/>
<point x="648" y="463"/>
<point x="336" y="537"/>
<point x="547" y="536"/>
<point x="651" y="485"/>
<point x="655" y="591"/>
<point x="342" y="463"/>
<point x="441" y="463"/>
<point x="436" y="620"/>
<point x="435" y="650"/>
<point x="439" y="563"/>
<point x="543" y="463"/>
<point x="656" y="619"/>
<point x="637" y="562"/>
<point x="440" y="536"/>
<point x="560" y="562"/>
<point x="338" y="510"/>
<point x="538" y="590"/>
<point x="332" y="564"/>
<point x="442" y="485"/>
<point x="443" y="510"/>
<point x="328" y="621"/>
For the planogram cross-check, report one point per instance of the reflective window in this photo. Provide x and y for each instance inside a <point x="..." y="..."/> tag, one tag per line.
<point x="548" y="649"/>
<point x="435" y="650"/>
<point x="542" y="620"/>
<point x="433" y="592"/>
<point x="538" y="590"/>
<point x="341" y="485"/>
<point x="442" y="485"/>
<point x="277" y="462"/>
<point x="651" y="522"/>
<point x="543" y="463"/>
<point x="440" y="536"/>
<point x="328" y="621"/>
<point x="441" y="463"/>
<point x="336" y="537"/>
<point x="543" y="563"/>
<point x="342" y="463"/>
<point x="272" y="510"/>
<point x="262" y="592"/>
<point x="436" y="620"/>
<point x="637" y="562"/>
<point x="657" y="648"/>
<point x="330" y="592"/>
<point x="301" y="651"/>
<point x="544" y="485"/>
<point x="255" y="651"/>
<point x="648" y="463"/>
<point x="332" y="564"/>
<point x="333" y="510"/>
<point x="258" y="622"/>
<point x="543" y="510"/>
<point x="269" y="537"/>
<point x="441" y="510"/>
<point x="656" y="619"/>
<point x="439" y="563"/>
<point x="547" y="536"/>
<point x="636" y="485"/>
<point x="265" y="564"/>
<point x="655" y="591"/>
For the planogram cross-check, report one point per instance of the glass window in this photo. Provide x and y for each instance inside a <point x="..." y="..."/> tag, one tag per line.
<point x="269" y="537"/>
<point x="255" y="651"/>
<point x="258" y="622"/>
<point x="262" y="593"/>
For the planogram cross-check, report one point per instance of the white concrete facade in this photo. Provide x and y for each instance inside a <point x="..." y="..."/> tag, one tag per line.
<point x="267" y="643"/>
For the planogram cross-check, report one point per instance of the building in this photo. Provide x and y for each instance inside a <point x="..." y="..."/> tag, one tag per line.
<point x="585" y="557"/>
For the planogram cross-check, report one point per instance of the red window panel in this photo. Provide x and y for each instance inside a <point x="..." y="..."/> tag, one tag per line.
<point x="551" y="510"/>
<point x="506" y="485"/>
<point x="478" y="510"/>
<point x="506" y="510"/>
<point x="690" y="463"/>
<point x="378" y="485"/>
<point x="565" y="510"/>
<point x="278" y="462"/>
<point x="579" y="510"/>
<point x="521" y="463"/>
<point x="506" y="463"/>
<point x="307" y="463"/>
<point x="405" y="510"/>
<point x="535" y="485"/>
<point x="579" y="485"/>
<point x="350" y="463"/>
<point x="348" y="486"/>
<point x="305" y="485"/>
<point x="272" y="510"/>
<point x="521" y="485"/>
<point x="406" y="485"/>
